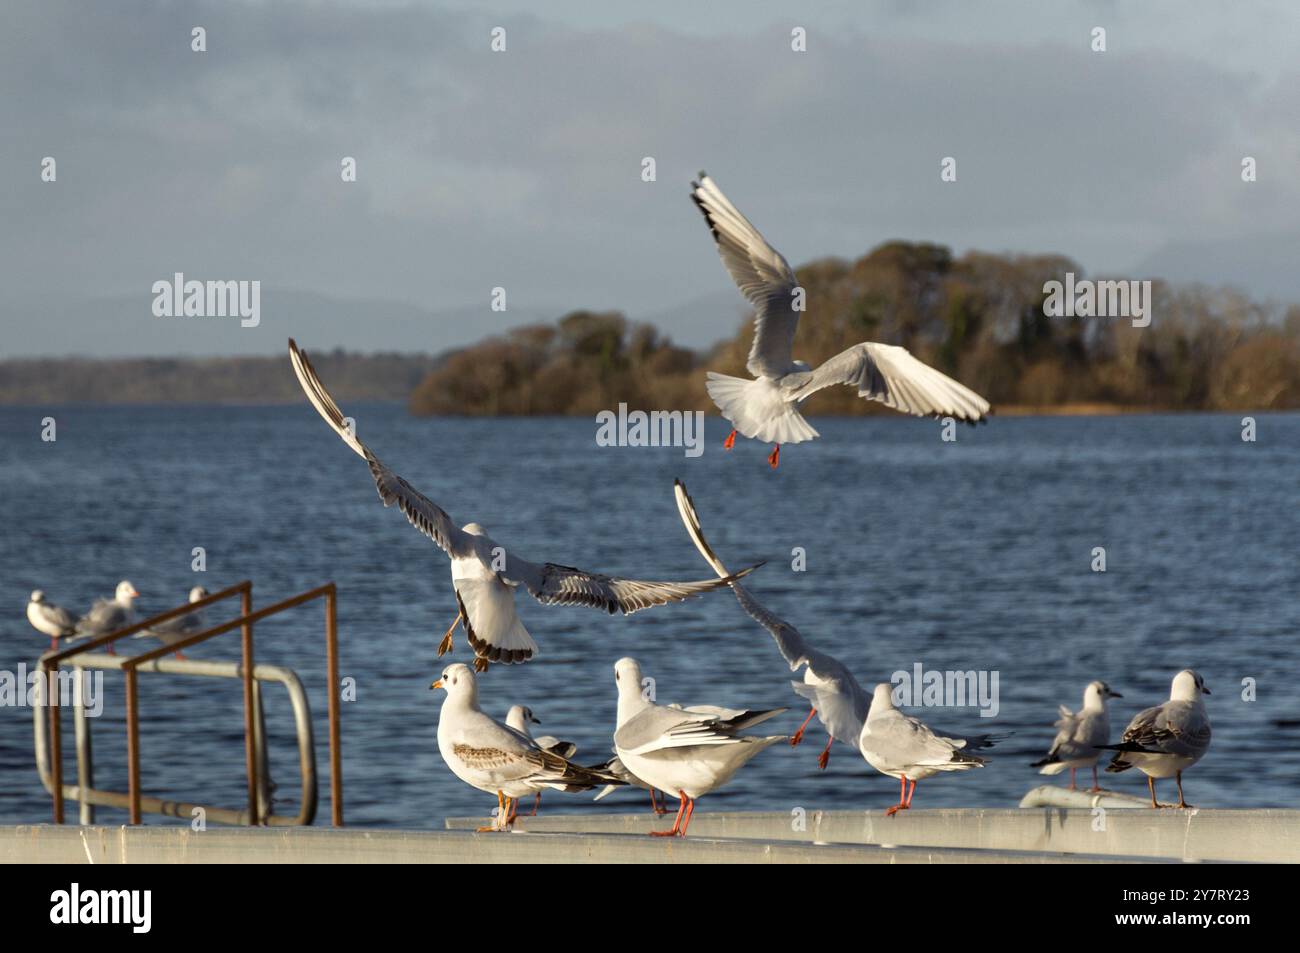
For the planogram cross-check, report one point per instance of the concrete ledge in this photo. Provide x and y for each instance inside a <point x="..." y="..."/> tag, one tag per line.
<point x="1271" y="836"/>
<point x="160" y="845"/>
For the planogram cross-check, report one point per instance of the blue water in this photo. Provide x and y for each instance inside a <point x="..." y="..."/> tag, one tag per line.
<point x="966" y="555"/>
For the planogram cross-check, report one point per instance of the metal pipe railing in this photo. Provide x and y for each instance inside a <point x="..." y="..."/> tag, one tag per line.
<point x="49" y="663"/>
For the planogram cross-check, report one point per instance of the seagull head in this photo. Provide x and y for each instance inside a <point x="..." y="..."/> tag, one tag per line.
<point x="627" y="675"/>
<point x="882" y="697"/>
<point x="197" y="593"/>
<point x="1188" y="686"/>
<point x="519" y="716"/>
<point x="457" y="681"/>
<point x="1096" y="694"/>
<point x="38" y="595"/>
<point x="125" y="592"/>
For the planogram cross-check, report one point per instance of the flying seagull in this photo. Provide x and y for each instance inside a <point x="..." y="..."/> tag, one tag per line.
<point x="1168" y="739"/>
<point x="494" y="758"/>
<point x="839" y="702"/>
<point x="485" y="574"/>
<point x="684" y="751"/>
<point x="767" y="407"/>
<point x="1080" y="735"/>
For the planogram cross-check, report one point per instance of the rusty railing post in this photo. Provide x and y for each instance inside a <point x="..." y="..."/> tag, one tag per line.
<point x="132" y="743"/>
<point x="250" y="753"/>
<point x="56" y="742"/>
<point x="332" y="674"/>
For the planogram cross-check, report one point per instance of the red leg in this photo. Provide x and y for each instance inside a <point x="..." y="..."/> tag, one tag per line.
<point x="686" y="821"/>
<point x="677" y="821"/>
<point x="1095" y="786"/>
<point x="181" y="656"/>
<point x="825" y="757"/>
<point x="730" y="441"/>
<point x="537" y="802"/>
<point x="1072" y="785"/>
<point x="798" y="735"/>
<point x="112" y="649"/>
<point x="658" y="809"/>
<point x="774" y="457"/>
<point x="54" y="642"/>
<point x="1151" y="786"/>
<point x="902" y="799"/>
<point x="909" y="796"/>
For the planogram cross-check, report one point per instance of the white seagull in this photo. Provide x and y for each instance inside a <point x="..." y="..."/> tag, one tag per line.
<point x="494" y="758"/>
<point x="484" y="574"/>
<point x="767" y="408"/>
<point x="109" y="615"/>
<point x="684" y="751"/>
<point x="1166" y="740"/>
<point x="619" y="770"/>
<point x="903" y="747"/>
<point x="1080" y="735"/>
<point x="49" y="619"/>
<point x="519" y="717"/>
<point x="178" y="627"/>
<point x="838" y="701"/>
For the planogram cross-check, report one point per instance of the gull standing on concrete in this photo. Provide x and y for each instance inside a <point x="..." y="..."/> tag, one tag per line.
<point x="519" y="717"/>
<point x="109" y="615"/>
<point x="178" y="627"/>
<point x="619" y="770"/>
<point x="684" y="751"/>
<point x="1166" y="740"/>
<point x="839" y="702"/>
<point x="494" y="758"/>
<point x="49" y="619"/>
<point x="1080" y="735"/>
<point x="903" y="747"/>
<point x="484" y="574"/>
<point x="767" y="408"/>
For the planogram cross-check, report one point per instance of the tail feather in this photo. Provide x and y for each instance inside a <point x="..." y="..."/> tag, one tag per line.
<point x="758" y="410"/>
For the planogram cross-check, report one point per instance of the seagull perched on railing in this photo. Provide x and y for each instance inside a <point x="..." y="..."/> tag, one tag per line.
<point x="767" y="408"/>
<point x="178" y="627"/>
<point x="519" y="717"/>
<point x="49" y="619"/>
<point x="1166" y="740"/>
<point x="1080" y="735"/>
<point x="839" y="702"/>
<point x="484" y="574"/>
<point x="494" y="758"/>
<point x="109" y="615"/>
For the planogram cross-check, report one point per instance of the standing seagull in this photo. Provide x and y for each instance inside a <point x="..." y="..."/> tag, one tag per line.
<point x="1168" y="739"/>
<point x="178" y="627"/>
<point x="1080" y="736"/>
<point x="487" y="755"/>
<point x="484" y="574"/>
<point x="767" y="408"/>
<point x="518" y="718"/>
<point x="837" y="699"/>
<point x="49" y="619"/>
<point x="685" y="751"/>
<point x="902" y="747"/>
<point x="109" y="615"/>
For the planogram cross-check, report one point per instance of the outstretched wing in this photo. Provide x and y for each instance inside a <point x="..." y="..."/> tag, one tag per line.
<point x="423" y="513"/>
<point x="764" y="277"/>
<point x="551" y="584"/>
<point x="891" y="375"/>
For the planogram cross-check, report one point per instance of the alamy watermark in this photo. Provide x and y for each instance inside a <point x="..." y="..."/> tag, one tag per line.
<point x="1084" y="298"/>
<point x="208" y="299"/>
<point x="658" y="428"/>
<point x="935" y="688"/>
<point x="27" y="689"/>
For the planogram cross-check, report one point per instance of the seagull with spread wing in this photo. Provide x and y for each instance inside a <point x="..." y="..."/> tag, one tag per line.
<point x="485" y="574"/>
<point x="838" y="701"/>
<point x="1166" y="740"/>
<point x="767" y="407"/>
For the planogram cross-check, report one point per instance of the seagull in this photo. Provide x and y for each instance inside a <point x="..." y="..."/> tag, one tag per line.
<point x="484" y="574"/>
<point x="49" y="619"/>
<point x="518" y="718"/>
<point x="619" y="770"/>
<point x="902" y="747"/>
<point x="767" y="407"/>
<point x="690" y="751"/>
<point x="492" y="757"/>
<point x="178" y="627"/>
<point x="839" y="702"/>
<point x="1079" y="736"/>
<point x="1169" y="738"/>
<point x="109" y="615"/>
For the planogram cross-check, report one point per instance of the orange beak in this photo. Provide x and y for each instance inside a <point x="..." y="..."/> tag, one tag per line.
<point x="437" y="684"/>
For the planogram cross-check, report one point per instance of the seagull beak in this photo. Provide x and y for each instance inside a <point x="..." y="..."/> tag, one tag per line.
<point x="1115" y="695"/>
<point x="437" y="684"/>
<point x="1206" y="689"/>
<point x="536" y="720"/>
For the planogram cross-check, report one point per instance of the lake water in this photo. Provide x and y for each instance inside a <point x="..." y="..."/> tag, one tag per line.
<point x="968" y="555"/>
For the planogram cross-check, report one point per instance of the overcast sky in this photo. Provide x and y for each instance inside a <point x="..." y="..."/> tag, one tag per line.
<point x="522" y="169"/>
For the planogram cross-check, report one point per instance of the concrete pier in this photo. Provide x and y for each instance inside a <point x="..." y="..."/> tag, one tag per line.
<point x="916" y="837"/>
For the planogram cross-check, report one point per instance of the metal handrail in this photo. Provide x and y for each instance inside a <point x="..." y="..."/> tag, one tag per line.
<point x="49" y="663"/>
